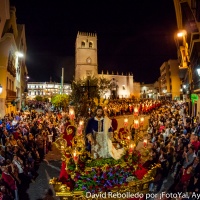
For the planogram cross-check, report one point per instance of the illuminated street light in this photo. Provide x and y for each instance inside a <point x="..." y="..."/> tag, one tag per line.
<point x="198" y="71"/>
<point x="1" y="89"/>
<point x="181" y="33"/>
<point x="19" y="54"/>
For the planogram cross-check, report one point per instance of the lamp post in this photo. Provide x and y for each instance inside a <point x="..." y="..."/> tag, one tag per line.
<point x="184" y="61"/>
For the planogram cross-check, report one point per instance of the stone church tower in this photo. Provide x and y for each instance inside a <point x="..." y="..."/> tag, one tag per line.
<point x="86" y="55"/>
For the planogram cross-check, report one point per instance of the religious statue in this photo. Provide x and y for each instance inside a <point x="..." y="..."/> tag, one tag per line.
<point x="99" y="137"/>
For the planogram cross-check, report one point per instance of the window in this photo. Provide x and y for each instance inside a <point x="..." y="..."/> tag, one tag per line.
<point x="10" y="84"/>
<point x="7" y="83"/>
<point x="90" y="45"/>
<point x="82" y="44"/>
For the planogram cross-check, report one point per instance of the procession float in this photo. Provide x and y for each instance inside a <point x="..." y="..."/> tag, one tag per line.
<point x="84" y="177"/>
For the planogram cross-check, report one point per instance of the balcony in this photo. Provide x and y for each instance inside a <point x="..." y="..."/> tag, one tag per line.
<point x="10" y="95"/>
<point x="11" y="68"/>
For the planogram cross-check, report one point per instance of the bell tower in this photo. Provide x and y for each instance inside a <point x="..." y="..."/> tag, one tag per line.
<point x="86" y="55"/>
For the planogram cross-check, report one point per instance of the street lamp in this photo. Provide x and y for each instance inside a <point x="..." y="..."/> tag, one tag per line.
<point x="19" y="54"/>
<point x="198" y="72"/>
<point x="1" y="89"/>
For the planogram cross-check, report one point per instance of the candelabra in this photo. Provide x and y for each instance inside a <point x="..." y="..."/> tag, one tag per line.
<point x="76" y="150"/>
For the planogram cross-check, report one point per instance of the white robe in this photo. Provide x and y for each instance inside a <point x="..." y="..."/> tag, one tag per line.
<point x="103" y="147"/>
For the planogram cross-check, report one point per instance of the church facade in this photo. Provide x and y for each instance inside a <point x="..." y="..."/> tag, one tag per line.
<point x="86" y="64"/>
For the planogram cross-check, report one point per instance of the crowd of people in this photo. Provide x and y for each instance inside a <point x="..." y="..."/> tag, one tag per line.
<point x="25" y="139"/>
<point x="174" y="139"/>
<point x="119" y="107"/>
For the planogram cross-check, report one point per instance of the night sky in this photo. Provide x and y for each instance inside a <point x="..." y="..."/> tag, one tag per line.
<point x="133" y="36"/>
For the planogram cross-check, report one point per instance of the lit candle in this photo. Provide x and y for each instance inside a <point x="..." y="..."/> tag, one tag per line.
<point x="81" y="123"/>
<point x="75" y="156"/>
<point x="145" y="142"/>
<point x="71" y="114"/>
<point x="136" y="111"/>
<point x="126" y="122"/>
<point x="62" y="147"/>
<point x="131" y="148"/>
<point x="128" y="137"/>
<point x="142" y="121"/>
<point x="136" y="123"/>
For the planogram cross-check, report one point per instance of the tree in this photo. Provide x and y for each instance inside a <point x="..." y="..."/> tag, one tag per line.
<point x="104" y="86"/>
<point x="38" y="98"/>
<point x="60" y="101"/>
<point x="86" y="92"/>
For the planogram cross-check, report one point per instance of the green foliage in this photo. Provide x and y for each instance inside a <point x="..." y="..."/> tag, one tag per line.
<point x="104" y="86"/>
<point x="85" y="92"/>
<point x="61" y="101"/>
<point x="46" y="99"/>
<point x="102" y="162"/>
<point x="38" y="98"/>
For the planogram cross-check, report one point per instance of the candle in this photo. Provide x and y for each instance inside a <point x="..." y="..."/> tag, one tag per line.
<point x="131" y="148"/>
<point x="145" y="142"/>
<point x="136" y="111"/>
<point x="71" y="114"/>
<point x="136" y="123"/>
<point x="128" y="137"/>
<point x="126" y="122"/>
<point x="79" y="130"/>
<point x="81" y="123"/>
<point x="142" y="121"/>
<point x="75" y="156"/>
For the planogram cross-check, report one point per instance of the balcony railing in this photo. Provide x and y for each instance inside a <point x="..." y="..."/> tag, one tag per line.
<point x="10" y="95"/>
<point x="11" y="68"/>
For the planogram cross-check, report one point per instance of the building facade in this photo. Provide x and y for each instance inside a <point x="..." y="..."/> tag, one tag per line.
<point x="86" y="65"/>
<point x="13" y="69"/>
<point x="170" y="82"/>
<point x="149" y="91"/>
<point x="187" y="40"/>
<point x="47" y="89"/>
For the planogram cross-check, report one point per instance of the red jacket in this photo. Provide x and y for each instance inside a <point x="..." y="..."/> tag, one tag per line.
<point x="9" y="180"/>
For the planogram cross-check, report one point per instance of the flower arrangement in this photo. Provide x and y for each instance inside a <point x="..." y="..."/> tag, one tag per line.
<point x="102" y="175"/>
<point x="99" y="180"/>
